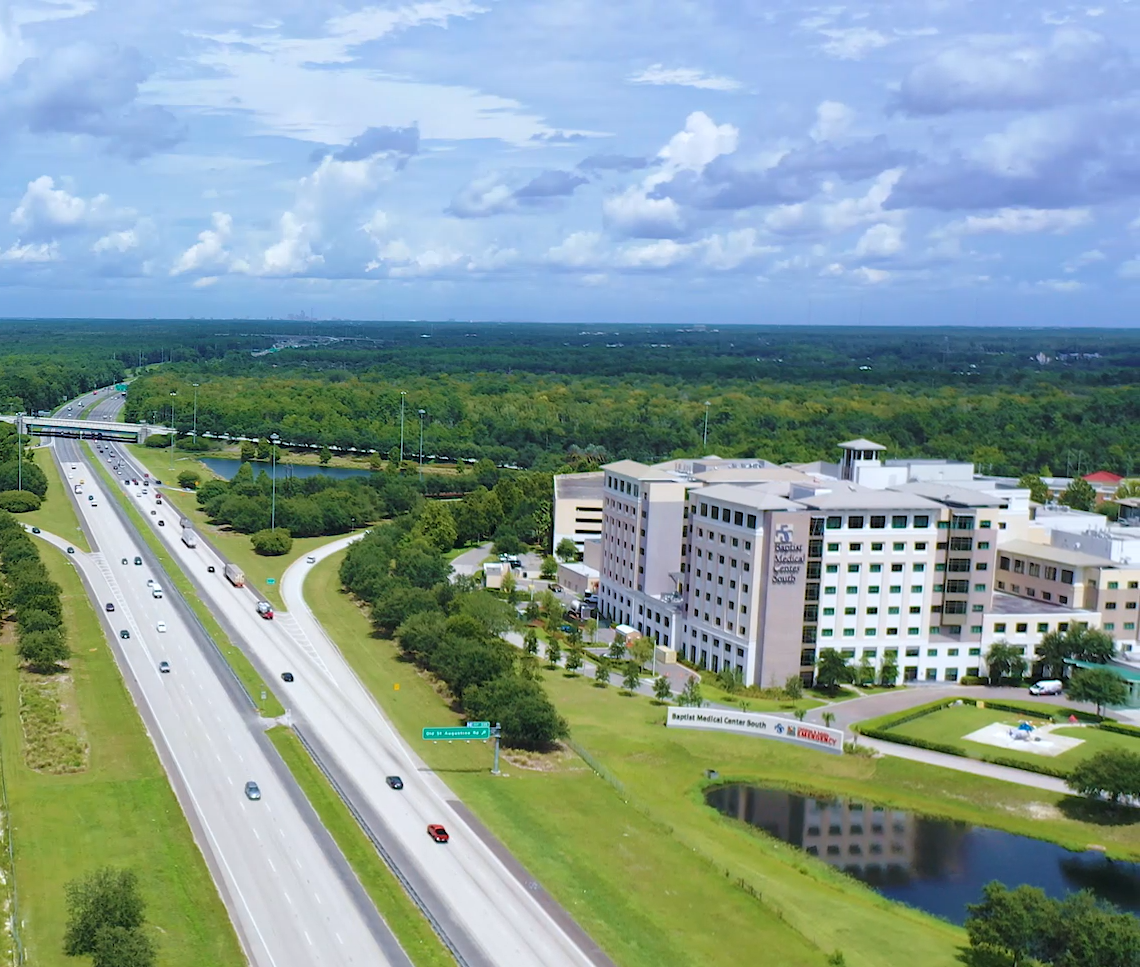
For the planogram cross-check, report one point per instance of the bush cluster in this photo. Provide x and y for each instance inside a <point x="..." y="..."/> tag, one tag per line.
<point x="33" y="597"/>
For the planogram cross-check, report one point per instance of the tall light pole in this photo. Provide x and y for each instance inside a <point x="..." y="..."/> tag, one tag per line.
<point x="422" y="412"/>
<point x="173" y="430"/>
<point x="195" y="414"/>
<point x="273" y="438"/>
<point x="20" y="450"/>
<point x="705" y="439"/>
<point x="403" y="395"/>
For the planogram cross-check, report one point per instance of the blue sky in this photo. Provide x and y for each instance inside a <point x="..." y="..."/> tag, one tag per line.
<point x="572" y="160"/>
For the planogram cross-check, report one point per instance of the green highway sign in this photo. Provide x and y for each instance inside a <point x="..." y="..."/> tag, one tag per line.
<point x="271" y="580"/>
<point x="121" y="387"/>
<point x="456" y="732"/>
<point x="478" y="725"/>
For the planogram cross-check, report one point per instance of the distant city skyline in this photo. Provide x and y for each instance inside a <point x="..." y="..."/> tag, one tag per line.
<point x="572" y="161"/>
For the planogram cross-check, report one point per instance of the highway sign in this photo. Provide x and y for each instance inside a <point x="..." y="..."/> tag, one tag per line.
<point x="456" y="733"/>
<point x="271" y="580"/>
<point x="478" y="725"/>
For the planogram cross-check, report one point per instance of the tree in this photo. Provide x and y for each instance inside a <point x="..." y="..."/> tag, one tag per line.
<point x="324" y="456"/>
<point x="662" y="690"/>
<point x="832" y="671"/>
<point x="436" y="525"/>
<point x="189" y="480"/>
<point x="691" y="693"/>
<point x="1080" y="495"/>
<point x="1112" y="773"/>
<point x="729" y="678"/>
<point x="631" y="677"/>
<point x="1101" y="686"/>
<point x="828" y="718"/>
<point x="1038" y="489"/>
<point x="248" y="451"/>
<point x="567" y="550"/>
<point x="530" y="642"/>
<point x="865" y="672"/>
<point x="794" y="687"/>
<point x="641" y="650"/>
<point x="888" y="673"/>
<point x="1079" y="642"/>
<point x="509" y="586"/>
<point x="601" y="675"/>
<point x="553" y="652"/>
<point x="528" y="718"/>
<point x="264" y="449"/>
<point x="549" y="568"/>
<point x="120" y="947"/>
<point x="43" y="650"/>
<point x="104" y="898"/>
<point x="617" y="647"/>
<point x="575" y="657"/>
<point x="1004" y="660"/>
<point x="272" y="543"/>
<point x="591" y="628"/>
<point x="19" y="501"/>
<point x="1012" y="921"/>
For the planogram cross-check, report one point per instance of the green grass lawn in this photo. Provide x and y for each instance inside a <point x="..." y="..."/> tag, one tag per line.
<point x="238" y="661"/>
<point x="402" y="916"/>
<point x="950" y="725"/>
<point x="236" y="547"/>
<point x="56" y="513"/>
<point x="120" y="811"/>
<point x="654" y="880"/>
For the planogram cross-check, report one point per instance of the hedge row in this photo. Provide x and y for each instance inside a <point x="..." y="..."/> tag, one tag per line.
<point x="888" y="736"/>
<point x="33" y="598"/>
<point x="1120" y="729"/>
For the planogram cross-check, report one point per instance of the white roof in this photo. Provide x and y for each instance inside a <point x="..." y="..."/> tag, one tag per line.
<point x="861" y="444"/>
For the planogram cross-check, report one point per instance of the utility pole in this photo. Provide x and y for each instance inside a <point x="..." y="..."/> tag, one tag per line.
<point x="195" y="414"/>
<point x="403" y="395"/>
<point x="422" y="412"/>
<point x="705" y="440"/>
<point x="173" y="430"/>
<point x="20" y="451"/>
<point x="273" y="438"/>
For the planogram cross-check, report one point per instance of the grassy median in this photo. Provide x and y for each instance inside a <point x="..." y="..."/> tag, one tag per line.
<point x="403" y="917"/>
<point x="248" y="675"/>
<point x="118" y="811"/>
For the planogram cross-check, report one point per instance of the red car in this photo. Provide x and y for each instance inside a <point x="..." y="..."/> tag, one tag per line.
<point x="438" y="833"/>
<point x="264" y="609"/>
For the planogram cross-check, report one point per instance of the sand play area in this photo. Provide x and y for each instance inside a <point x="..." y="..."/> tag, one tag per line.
<point x="1039" y="741"/>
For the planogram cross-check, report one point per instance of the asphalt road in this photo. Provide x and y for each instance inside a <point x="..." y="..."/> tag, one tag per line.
<point x="290" y="894"/>
<point x="487" y="915"/>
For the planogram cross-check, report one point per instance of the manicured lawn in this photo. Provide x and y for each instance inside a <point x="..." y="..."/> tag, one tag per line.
<point x="236" y="547"/>
<point x="120" y="811"/>
<point x="403" y="917"/>
<point x="711" y="692"/>
<point x="950" y="725"/>
<point x="56" y="513"/>
<point x="655" y="879"/>
<point x="238" y="661"/>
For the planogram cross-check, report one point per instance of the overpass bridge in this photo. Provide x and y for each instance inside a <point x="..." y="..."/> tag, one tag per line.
<point x="85" y="429"/>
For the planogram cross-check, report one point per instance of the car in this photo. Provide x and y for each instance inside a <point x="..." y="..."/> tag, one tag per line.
<point x="125" y="561"/>
<point x="71" y="550"/>
<point x="74" y="467"/>
<point x="252" y="791"/>
<point x="90" y="496"/>
<point x="556" y="588"/>
<point x="124" y="634"/>
<point x="150" y="582"/>
<point x="394" y="782"/>
<point x="286" y="676"/>
<point x="158" y="500"/>
<point x="110" y="606"/>
<point x="1049" y="686"/>
<point x="35" y="530"/>
<point x="265" y="609"/>
<point x="164" y="667"/>
<point x="157" y="482"/>
<point x="310" y="559"/>
<point x="162" y="523"/>
<point x="211" y="569"/>
<point x="119" y="472"/>
<point x="138" y="560"/>
<point x="438" y="833"/>
<point x="94" y="505"/>
<point x="161" y="626"/>
<point x="153" y="513"/>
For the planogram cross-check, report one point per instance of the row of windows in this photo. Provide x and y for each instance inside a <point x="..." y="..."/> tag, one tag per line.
<point x="857" y="522"/>
<point x="1022" y="627"/>
<point x="712" y="537"/>
<point x="739" y="518"/>
<point x="1111" y="626"/>
<point x="808" y="655"/>
<point x="917" y="567"/>
<point x="1032" y="592"/>
<point x="1020" y="566"/>
<point x="622" y="486"/>
<point x="872" y="589"/>
<point x="856" y="547"/>
<point x="1114" y="585"/>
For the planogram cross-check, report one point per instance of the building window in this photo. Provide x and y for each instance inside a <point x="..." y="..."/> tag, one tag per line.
<point x="1066" y="577"/>
<point x="878" y="523"/>
<point x="1022" y="627"/>
<point x="899" y="546"/>
<point x="918" y="566"/>
<point x="852" y="589"/>
<point x="921" y="520"/>
<point x="876" y="546"/>
<point x="855" y="523"/>
<point x="826" y="633"/>
<point x="853" y="568"/>
<point x="873" y="589"/>
<point x="892" y="631"/>
<point x="1003" y="563"/>
<point x="1034" y="570"/>
<point x="848" y="610"/>
<point x="848" y="632"/>
<point x="896" y="589"/>
<point x="751" y="522"/>
<point x="828" y="612"/>
<point x="876" y="568"/>
<point x="920" y="545"/>
<point x="834" y="523"/>
<point x="872" y="610"/>
<point x="893" y="609"/>
<point x="912" y="651"/>
<point x="1109" y="626"/>
<point x="899" y="521"/>
<point x="896" y="568"/>
<point x="833" y="548"/>
<point x="829" y="589"/>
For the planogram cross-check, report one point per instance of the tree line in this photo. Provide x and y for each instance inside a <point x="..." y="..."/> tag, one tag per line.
<point x="32" y="597"/>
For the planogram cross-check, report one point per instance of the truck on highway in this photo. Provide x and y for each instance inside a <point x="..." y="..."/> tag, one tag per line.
<point x="189" y="538"/>
<point x="234" y="576"/>
<point x="265" y="609"/>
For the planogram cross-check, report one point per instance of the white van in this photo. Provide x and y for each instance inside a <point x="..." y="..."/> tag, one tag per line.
<point x="155" y="591"/>
<point x="1050" y="686"/>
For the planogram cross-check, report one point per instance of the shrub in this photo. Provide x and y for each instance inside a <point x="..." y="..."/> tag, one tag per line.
<point x="272" y="543"/>
<point x="972" y="680"/>
<point x="19" y="501"/>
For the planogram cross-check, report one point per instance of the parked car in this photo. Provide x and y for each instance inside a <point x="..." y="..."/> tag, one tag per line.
<point x="395" y="782"/>
<point x="556" y="588"/>
<point x="125" y="561"/>
<point x="1049" y="686"/>
<point x="161" y="523"/>
<point x="310" y="559"/>
<point x="252" y="791"/>
<point x="438" y="833"/>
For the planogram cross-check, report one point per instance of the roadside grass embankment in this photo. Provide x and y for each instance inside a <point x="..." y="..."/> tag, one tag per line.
<point x="635" y="855"/>
<point x="56" y="514"/>
<point x="254" y="684"/>
<point x="117" y="810"/>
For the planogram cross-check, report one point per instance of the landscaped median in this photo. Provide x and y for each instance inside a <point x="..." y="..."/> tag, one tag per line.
<point x="242" y="667"/>
<point x="969" y="727"/>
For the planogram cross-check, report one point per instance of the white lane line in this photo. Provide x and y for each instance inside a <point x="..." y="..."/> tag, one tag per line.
<point x="340" y="939"/>
<point x="307" y="937"/>
<point x="319" y="900"/>
<point x="287" y="897"/>
<point x="273" y="866"/>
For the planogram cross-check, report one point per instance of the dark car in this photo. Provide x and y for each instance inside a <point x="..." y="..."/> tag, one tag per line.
<point x="286" y="676"/>
<point x="154" y="513"/>
<point x="394" y="781"/>
<point x="124" y="633"/>
<point x="138" y="560"/>
<point x="110" y="606"/>
<point x="71" y="550"/>
<point x="438" y="833"/>
<point x="211" y="569"/>
<point x="125" y="561"/>
<point x="556" y="588"/>
<point x="162" y="523"/>
<point x="35" y="530"/>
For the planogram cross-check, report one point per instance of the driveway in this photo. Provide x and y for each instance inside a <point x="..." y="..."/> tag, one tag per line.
<point x="470" y="561"/>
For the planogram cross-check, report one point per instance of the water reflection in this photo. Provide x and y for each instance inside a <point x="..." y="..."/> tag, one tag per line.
<point x="934" y="864"/>
<point x="226" y="469"/>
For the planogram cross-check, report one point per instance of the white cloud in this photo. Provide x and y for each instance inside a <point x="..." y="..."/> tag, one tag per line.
<point x="1019" y="221"/>
<point x="654" y="255"/>
<point x="1085" y="258"/>
<point x="832" y="120"/>
<point x="292" y="253"/>
<point x="871" y="276"/>
<point x="1130" y="269"/>
<point x="852" y="43"/>
<point x="45" y="209"/>
<point x="701" y="141"/>
<point x="836" y="217"/>
<point x="205" y="282"/>
<point x="880" y="241"/>
<point x="209" y="250"/>
<point x="577" y="251"/>
<point x="1061" y="285"/>
<point x="42" y="252"/>
<point x="659" y="74"/>
<point x="633" y="212"/>
<point x="119" y="242"/>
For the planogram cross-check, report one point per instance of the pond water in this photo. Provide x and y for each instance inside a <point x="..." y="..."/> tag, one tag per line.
<point x="934" y="864"/>
<point x="226" y="469"/>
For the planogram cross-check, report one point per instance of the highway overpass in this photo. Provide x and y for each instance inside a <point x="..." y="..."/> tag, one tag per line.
<point x="85" y="429"/>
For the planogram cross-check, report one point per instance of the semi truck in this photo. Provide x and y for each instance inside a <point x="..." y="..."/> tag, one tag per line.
<point x="189" y="538"/>
<point x="234" y="576"/>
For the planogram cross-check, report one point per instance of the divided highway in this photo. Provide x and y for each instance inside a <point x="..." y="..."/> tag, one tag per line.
<point x="488" y="917"/>
<point x="292" y="897"/>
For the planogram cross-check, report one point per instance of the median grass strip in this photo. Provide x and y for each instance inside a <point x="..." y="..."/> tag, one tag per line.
<point x="255" y="685"/>
<point x="234" y="546"/>
<point x="402" y="916"/>
<point x="644" y="880"/>
<point x="119" y="811"/>
<point x="57" y="513"/>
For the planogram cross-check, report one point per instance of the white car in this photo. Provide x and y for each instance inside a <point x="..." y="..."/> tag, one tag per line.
<point x="150" y="582"/>
<point x="162" y="627"/>
<point x="310" y="559"/>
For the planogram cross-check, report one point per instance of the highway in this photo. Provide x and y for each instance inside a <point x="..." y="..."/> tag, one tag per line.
<point x="489" y="917"/>
<point x="289" y="891"/>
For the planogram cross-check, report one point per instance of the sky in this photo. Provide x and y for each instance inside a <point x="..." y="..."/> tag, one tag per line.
<point x="711" y="161"/>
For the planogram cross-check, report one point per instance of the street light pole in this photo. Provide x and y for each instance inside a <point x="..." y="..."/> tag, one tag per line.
<point x="195" y="414"/>
<point x="173" y="430"/>
<point x="422" y="412"/>
<point x="20" y="451"/>
<point x="705" y="439"/>
<point x="273" y="438"/>
<point x="403" y="395"/>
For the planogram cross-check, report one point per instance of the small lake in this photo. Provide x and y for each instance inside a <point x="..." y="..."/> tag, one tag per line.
<point x="227" y="469"/>
<point x="935" y="865"/>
